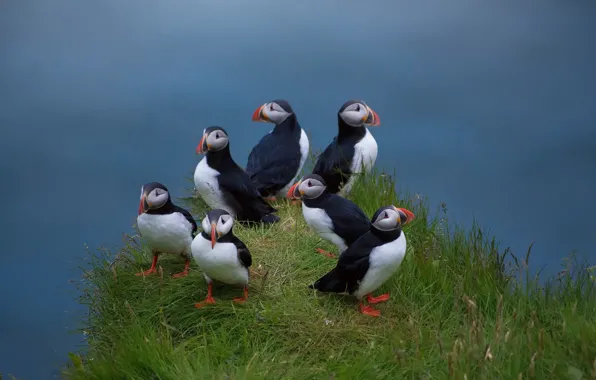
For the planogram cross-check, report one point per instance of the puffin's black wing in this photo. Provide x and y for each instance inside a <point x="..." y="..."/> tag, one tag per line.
<point x="349" y="221"/>
<point x="354" y="262"/>
<point x="352" y="265"/>
<point x="334" y="165"/>
<point x="243" y="253"/>
<point x="242" y="194"/>
<point x="188" y="217"/>
<point x="272" y="163"/>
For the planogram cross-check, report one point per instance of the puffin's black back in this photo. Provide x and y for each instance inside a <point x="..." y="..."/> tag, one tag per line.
<point x="274" y="161"/>
<point x="353" y="263"/>
<point x="335" y="163"/>
<point x="349" y="221"/>
<point x="239" y="191"/>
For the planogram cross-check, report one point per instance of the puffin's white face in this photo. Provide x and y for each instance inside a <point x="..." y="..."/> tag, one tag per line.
<point x="391" y="218"/>
<point x="358" y="114"/>
<point x="271" y="112"/>
<point x="152" y="198"/>
<point x="221" y="224"/>
<point x="213" y="140"/>
<point x="388" y="219"/>
<point x="157" y="198"/>
<point x="217" y="140"/>
<point x="311" y="188"/>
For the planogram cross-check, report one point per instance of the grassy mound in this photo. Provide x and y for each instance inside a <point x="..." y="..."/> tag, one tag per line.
<point x="456" y="310"/>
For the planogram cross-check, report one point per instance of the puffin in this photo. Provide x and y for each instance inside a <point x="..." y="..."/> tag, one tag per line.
<point x="371" y="260"/>
<point x="225" y="185"/>
<point x="334" y="218"/>
<point x="166" y="227"/>
<point x="353" y="150"/>
<point x="221" y="255"/>
<point x="275" y="162"/>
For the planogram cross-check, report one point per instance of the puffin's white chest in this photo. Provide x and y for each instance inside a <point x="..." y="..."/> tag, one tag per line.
<point x="365" y="156"/>
<point x="320" y="222"/>
<point x="383" y="262"/>
<point x="220" y="263"/>
<point x="304" y="149"/>
<point x="207" y="186"/>
<point x="169" y="233"/>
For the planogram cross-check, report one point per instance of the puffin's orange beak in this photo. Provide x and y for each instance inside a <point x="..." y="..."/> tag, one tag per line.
<point x="293" y="191"/>
<point x="142" y="204"/>
<point x="213" y="234"/>
<point x="409" y="215"/>
<point x="372" y="119"/>
<point x="259" y="115"/>
<point x="202" y="147"/>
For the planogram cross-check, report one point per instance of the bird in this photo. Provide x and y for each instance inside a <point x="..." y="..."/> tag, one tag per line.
<point x="277" y="159"/>
<point x="353" y="150"/>
<point x="225" y="185"/>
<point x="334" y="218"/>
<point x="371" y="260"/>
<point x="221" y="255"/>
<point x="166" y="227"/>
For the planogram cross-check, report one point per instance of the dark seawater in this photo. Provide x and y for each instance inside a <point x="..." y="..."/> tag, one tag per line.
<point x="488" y="106"/>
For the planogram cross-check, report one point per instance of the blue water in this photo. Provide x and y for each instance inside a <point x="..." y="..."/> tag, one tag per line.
<point x="489" y="106"/>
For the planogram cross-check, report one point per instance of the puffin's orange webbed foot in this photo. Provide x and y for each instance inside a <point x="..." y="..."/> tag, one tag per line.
<point x="326" y="253"/>
<point x="368" y="310"/>
<point x="243" y="298"/>
<point x="209" y="300"/>
<point x="147" y="272"/>
<point x="184" y="273"/>
<point x="382" y="298"/>
<point x="151" y="270"/>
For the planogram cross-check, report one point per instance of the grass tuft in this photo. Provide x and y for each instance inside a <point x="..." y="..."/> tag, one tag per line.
<point x="459" y="309"/>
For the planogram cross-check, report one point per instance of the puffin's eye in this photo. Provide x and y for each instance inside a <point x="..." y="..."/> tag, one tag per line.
<point x="271" y="107"/>
<point x="386" y="215"/>
<point x="358" y="108"/>
<point x="309" y="184"/>
<point x="216" y="135"/>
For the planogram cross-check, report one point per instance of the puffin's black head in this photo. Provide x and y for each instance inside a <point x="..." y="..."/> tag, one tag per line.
<point x="214" y="139"/>
<point x="356" y="113"/>
<point x="309" y="187"/>
<point x="154" y="195"/>
<point x="389" y="218"/>
<point x="218" y="223"/>
<point x="276" y="112"/>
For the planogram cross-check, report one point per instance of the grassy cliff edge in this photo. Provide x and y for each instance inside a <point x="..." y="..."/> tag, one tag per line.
<point x="457" y="310"/>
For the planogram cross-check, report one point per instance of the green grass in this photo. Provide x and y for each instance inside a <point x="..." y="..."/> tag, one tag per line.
<point x="457" y="310"/>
